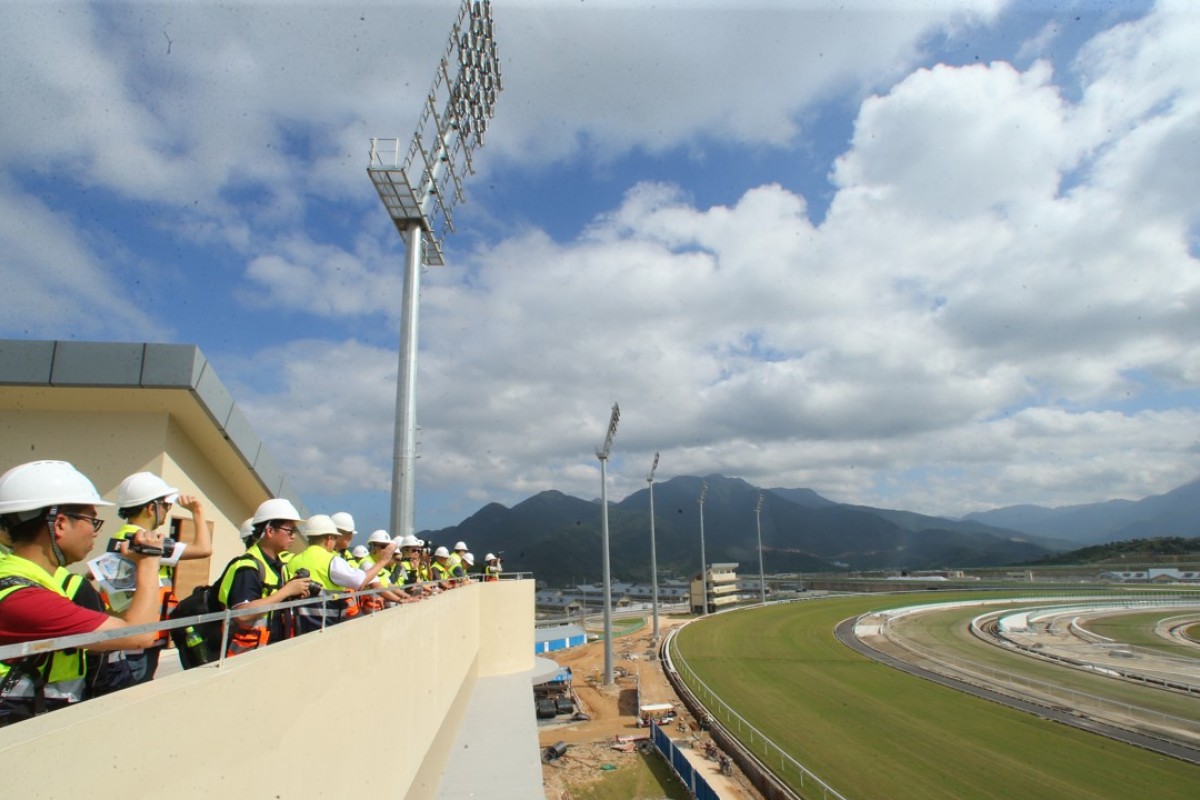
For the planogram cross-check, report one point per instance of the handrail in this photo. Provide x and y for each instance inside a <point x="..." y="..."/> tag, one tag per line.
<point x="41" y="646"/>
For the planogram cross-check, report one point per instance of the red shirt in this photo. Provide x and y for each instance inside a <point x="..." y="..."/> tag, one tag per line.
<point x="36" y="613"/>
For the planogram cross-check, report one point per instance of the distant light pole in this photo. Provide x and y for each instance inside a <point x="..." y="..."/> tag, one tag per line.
<point x="653" y="553"/>
<point x="703" y="568"/>
<point x="762" y="581"/>
<point x="602" y="454"/>
<point x="420" y="189"/>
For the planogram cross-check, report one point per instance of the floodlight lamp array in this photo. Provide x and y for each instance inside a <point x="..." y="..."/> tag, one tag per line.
<point x="602" y="453"/>
<point x="426" y="184"/>
<point x="653" y="468"/>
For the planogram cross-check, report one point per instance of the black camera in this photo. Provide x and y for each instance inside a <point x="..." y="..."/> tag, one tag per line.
<point x="166" y="551"/>
<point x="314" y="588"/>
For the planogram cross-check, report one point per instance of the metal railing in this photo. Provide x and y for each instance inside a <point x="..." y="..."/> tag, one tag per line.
<point x="773" y="757"/>
<point x="226" y="618"/>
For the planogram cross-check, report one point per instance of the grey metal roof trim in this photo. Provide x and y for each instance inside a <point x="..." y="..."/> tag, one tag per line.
<point x="126" y="365"/>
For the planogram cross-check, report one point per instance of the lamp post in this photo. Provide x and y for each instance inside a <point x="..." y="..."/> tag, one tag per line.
<point x="653" y="553"/>
<point x="703" y="568"/>
<point x="602" y="454"/>
<point x="420" y="191"/>
<point x="762" y="583"/>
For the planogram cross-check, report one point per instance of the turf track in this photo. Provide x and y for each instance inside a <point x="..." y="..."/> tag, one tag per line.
<point x="872" y="732"/>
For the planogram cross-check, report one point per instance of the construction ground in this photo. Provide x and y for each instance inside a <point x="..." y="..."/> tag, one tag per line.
<point x="608" y="741"/>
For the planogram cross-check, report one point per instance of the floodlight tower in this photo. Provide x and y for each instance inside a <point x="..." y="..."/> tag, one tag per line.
<point x="602" y="454"/>
<point x="762" y="582"/>
<point x="703" y="568"/>
<point x="653" y="553"/>
<point x="420" y="188"/>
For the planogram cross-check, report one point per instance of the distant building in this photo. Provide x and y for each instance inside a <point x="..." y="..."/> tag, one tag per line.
<point x="1152" y="575"/>
<point x="723" y="591"/>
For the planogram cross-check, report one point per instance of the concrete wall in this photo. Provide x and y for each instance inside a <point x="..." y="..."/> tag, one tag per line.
<point x="282" y="721"/>
<point x="109" y="445"/>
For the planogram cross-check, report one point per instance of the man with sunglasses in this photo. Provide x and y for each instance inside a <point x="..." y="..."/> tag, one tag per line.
<point x="48" y="510"/>
<point x="144" y="501"/>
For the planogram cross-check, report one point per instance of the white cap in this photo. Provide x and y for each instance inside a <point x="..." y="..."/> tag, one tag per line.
<point x="360" y="551"/>
<point x="441" y="552"/>
<point x="460" y="546"/>
<point x="469" y="558"/>
<point x="379" y="537"/>
<point x="142" y="487"/>
<point x="319" y="525"/>
<point x="344" y="522"/>
<point x="277" y="508"/>
<point x="41" y="484"/>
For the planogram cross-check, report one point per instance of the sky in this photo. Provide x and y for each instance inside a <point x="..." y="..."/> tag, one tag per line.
<point x="931" y="255"/>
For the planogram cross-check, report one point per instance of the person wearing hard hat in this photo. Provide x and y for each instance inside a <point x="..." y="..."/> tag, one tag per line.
<point x="441" y="570"/>
<point x="260" y="578"/>
<point x="48" y="512"/>
<point x="413" y="568"/>
<point x="144" y="501"/>
<point x="359" y="552"/>
<point x="330" y="571"/>
<point x="377" y="543"/>
<point x="491" y="567"/>
<point x="457" y="556"/>
<point x="346" y="533"/>
<point x="468" y="563"/>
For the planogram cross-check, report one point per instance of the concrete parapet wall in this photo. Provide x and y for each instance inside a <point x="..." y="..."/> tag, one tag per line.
<point x="282" y="721"/>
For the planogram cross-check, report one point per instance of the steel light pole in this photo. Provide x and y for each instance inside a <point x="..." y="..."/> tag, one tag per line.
<point x="762" y="582"/>
<point x="653" y="553"/>
<point x="703" y="567"/>
<point x="420" y="188"/>
<point x="602" y="454"/>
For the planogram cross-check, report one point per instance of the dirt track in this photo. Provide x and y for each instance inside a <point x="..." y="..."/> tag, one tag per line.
<point x="613" y="712"/>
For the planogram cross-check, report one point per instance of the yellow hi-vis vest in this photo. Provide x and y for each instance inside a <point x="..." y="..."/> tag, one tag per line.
<point x="316" y="560"/>
<point x="64" y="672"/>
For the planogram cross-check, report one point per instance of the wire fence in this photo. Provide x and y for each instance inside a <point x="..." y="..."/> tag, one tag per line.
<point x="781" y="763"/>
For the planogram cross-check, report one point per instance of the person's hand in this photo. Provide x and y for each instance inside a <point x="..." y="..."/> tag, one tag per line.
<point x="297" y="588"/>
<point x="387" y="553"/>
<point x="191" y="503"/>
<point x="148" y="539"/>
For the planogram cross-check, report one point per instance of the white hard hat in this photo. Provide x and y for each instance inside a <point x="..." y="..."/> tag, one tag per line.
<point x="379" y="537"/>
<point x="344" y="521"/>
<point x="360" y="551"/>
<point x="41" y="484"/>
<point x="441" y="552"/>
<point x="469" y="558"/>
<point x="142" y="487"/>
<point x="460" y="546"/>
<point x="247" y="529"/>
<point x="490" y="557"/>
<point x="277" y="508"/>
<point x="319" y="525"/>
<point x="411" y="541"/>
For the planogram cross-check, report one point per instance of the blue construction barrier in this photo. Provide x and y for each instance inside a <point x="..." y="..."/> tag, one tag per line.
<point x="693" y="780"/>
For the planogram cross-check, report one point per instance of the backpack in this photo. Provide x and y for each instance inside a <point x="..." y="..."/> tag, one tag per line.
<point x="201" y="643"/>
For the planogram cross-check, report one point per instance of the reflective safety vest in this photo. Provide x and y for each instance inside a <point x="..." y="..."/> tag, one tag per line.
<point x="491" y="573"/>
<point x="316" y="560"/>
<point x="166" y="590"/>
<point x="59" y="677"/>
<point x="243" y="640"/>
<point x="439" y="572"/>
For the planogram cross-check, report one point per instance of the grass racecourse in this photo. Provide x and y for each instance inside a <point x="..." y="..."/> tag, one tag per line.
<point x="874" y="733"/>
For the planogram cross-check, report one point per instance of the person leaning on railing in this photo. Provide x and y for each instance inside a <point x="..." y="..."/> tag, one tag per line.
<point x="260" y="578"/>
<point x="48" y="510"/>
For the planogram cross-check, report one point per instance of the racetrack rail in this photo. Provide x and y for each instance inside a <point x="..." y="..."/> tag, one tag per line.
<point x="845" y="634"/>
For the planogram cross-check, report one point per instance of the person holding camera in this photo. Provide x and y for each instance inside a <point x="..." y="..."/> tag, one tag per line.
<point x="260" y="578"/>
<point x="48" y="511"/>
<point x="144" y="501"/>
<point x="331" y="572"/>
<point x="492" y="567"/>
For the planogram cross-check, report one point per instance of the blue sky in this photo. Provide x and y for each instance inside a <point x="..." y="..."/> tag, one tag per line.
<point x="937" y="255"/>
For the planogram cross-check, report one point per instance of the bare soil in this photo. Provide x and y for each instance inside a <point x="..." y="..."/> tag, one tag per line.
<point x="614" y="715"/>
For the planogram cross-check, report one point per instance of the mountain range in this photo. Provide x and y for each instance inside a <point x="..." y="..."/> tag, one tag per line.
<point x="558" y="537"/>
